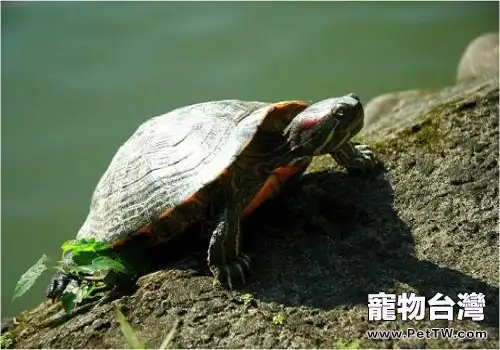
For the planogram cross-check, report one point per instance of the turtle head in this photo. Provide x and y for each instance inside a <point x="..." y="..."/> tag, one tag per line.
<point x="325" y="125"/>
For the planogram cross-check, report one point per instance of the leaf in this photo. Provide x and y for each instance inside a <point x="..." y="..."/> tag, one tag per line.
<point x="84" y="245"/>
<point x="247" y="298"/>
<point x="102" y="263"/>
<point x="84" y="258"/>
<point x="109" y="264"/>
<point x="6" y="340"/>
<point x="69" y="245"/>
<point x="128" y="332"/>
<point x="279" y="319"/>
<point x="28" y="278"/>
<point x="68" y="300"/>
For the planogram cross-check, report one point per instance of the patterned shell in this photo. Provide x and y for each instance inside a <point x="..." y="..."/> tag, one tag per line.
<point x="168" y="159"/>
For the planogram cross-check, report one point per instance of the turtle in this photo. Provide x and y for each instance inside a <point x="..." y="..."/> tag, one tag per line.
<point x="216" y="160"/>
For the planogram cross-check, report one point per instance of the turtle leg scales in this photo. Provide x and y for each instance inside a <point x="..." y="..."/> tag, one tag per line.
<point x="57" y="285"/>
<point x="225" y="259"/>
<point x="355" y="157"/>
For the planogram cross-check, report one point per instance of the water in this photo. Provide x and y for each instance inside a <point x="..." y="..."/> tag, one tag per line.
<point x="78" y="78"/>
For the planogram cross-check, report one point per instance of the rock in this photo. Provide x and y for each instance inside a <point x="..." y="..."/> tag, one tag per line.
<point x="389" y="113"/>
<point x="403" y="110"/>
<point x="425" y="222"/>
<point x="480" y="58"/>
<point x="383" y="105"/>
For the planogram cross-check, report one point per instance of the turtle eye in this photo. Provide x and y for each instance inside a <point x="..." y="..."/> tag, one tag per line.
<point x="338" y="110"/>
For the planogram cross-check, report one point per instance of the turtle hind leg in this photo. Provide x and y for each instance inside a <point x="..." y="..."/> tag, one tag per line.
<point x="57" y="285"/>
<point x="61" y="279"/>
<point x="225" y="259"/>
<point x="355" y="157"/>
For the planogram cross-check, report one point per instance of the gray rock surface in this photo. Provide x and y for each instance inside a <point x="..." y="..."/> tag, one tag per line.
<point x="385" y="104"/>
<point x="480" y="58"/>
<point x="413" y="107"/>
<point x="388" y="113"/>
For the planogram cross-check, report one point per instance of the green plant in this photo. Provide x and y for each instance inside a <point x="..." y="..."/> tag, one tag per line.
<point x="28" y="278"/>
<point x="6" y="340"/>
<point x="89" y="257"/>
<point x="247" y="298"/>
<point x="279" y="319"/>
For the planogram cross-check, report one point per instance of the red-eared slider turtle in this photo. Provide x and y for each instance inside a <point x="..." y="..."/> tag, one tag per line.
<point x="231" y="155"/>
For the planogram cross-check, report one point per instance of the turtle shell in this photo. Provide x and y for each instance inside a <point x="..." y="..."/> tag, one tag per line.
<point x="168" y="170"/>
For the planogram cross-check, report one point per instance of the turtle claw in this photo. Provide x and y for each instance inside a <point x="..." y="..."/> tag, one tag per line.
<point x="245" y="260"/>
<point x="364" y="150"/>
<point x="355" y="157"/>
<point x="225" y="273"/>
<point x="57" y="285"/>
<point x="365" y="159"/>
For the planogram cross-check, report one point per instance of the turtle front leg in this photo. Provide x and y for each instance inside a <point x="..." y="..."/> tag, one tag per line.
<point x="355" y="157"/>
<point x="225" y="259"/>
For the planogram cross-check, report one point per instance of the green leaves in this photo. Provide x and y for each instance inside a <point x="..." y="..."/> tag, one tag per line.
<point x="6" y="340"/>
<point x="279" y="319"/>
<point x="85" y="245"/>
<point x="102" y="263"/>
<point x="75" y="294"/>
<point x="69" y="300"/>
<point x="247" y="299"/>
<point x="88" y="257"/>
<point x="29" y="278"/>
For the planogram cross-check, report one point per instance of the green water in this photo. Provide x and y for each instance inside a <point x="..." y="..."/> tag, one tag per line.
<point x="78" y="78"/>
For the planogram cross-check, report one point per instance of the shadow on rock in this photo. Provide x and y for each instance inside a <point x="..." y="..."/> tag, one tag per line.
<point x="363" y="247"/>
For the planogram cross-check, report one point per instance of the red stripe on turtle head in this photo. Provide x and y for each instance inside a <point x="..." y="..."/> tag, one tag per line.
<point x="310" y="123"/>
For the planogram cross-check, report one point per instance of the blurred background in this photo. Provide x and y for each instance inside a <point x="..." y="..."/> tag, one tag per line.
<point x="78" y="78"/>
